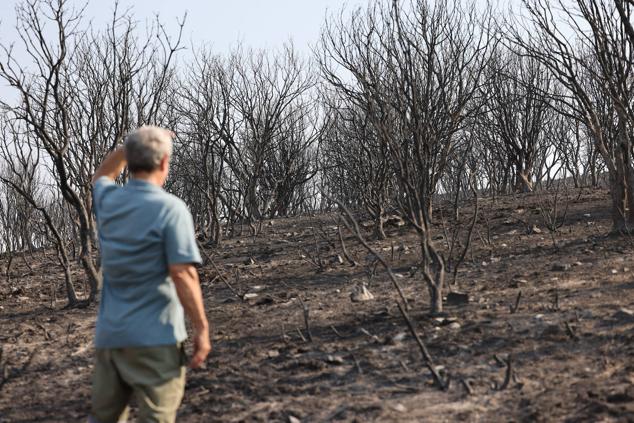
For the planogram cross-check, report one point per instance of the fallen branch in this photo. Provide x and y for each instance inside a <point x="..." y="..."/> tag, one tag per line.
<point x="571" y="333"/>
<point x="428" y="360"/>
<point x="508" y="375"/>
<point x="344" y="250"/>
<point x="336" y="332"/>
<point x="514" y="308"/>
<point x="219" y="273"/>
<point x="467" y="386"/>
<point x="306" y="320"/>
<point x="301" y="335"/>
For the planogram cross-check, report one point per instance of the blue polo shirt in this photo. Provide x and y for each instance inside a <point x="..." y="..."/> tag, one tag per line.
<point x="142" y="230"/>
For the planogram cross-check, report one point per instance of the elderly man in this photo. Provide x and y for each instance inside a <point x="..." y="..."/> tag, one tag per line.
<point x="148" y="252"/>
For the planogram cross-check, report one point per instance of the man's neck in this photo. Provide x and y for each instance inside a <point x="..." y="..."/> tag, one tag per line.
<point x="153" y="178"/>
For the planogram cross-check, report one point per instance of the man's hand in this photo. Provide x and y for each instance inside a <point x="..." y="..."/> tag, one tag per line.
<point x="185" y="279"/>
<point x="202" y="347"/>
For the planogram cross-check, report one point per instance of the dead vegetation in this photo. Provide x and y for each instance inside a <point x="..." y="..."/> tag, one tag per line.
<point x="290" y="345"/>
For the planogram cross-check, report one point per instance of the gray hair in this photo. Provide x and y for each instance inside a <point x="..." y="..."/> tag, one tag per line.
<point x="146" y="146"/>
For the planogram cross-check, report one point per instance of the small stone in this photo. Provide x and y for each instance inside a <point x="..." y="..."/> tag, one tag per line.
<point x="626" y="269"/>
<point x="535" y="230"/>
<point x="560" y="267"/>
<point x="334" y="359"/>
<point x="457" y="298"/>
<point x="624" y="314"/>
<point x="249" y="295"/>
<point x="361" y="294"/>
<point x="293" y="419"/>
<point x="587" y="215"/>
<point x="578" y="263"/>
<point x="614" y="271"/>
<point x="454" y="326"/>
<point x="399" y="408"/>
<point x="273" y="354"/>
<point x="503" y="245"/>
<point x="398" y="338"/>
<point x="495" y="259"/>
<point x="518" y="283"/>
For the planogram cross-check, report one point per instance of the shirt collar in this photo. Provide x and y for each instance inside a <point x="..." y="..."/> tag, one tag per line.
<point x="143" y="185"/>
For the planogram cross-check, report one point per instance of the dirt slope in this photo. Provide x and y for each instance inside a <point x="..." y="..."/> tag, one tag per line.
<point x="570" y="339"/>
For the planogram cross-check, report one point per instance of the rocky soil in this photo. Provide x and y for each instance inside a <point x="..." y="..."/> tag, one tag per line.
<point x="558" y="307"/>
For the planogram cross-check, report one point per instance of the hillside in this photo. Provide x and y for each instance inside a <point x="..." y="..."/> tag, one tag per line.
<point x="570" y="338"/>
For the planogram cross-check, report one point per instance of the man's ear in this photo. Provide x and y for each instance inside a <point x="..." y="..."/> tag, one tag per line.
<point x="165" y="162"/>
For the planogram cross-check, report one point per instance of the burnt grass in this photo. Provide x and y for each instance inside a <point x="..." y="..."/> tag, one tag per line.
<point x="570" y="340"/>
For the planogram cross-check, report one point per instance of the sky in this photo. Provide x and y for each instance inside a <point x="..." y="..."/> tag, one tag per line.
<point x="218" y="23"/>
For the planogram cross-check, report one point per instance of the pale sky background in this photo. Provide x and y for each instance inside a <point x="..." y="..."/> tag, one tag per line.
<point x="220" y="24"/>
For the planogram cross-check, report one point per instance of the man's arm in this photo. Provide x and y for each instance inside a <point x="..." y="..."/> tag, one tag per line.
<point x="185" y="278"/>
<point x="112" y="165"/>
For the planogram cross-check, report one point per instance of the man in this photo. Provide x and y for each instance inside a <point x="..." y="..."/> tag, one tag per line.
<point x="148" y="252"/>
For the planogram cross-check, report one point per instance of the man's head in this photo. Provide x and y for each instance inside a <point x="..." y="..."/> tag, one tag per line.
<point x="148" y="151"/>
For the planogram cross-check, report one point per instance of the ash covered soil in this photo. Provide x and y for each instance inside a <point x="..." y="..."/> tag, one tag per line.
<point x="570" y="339"/>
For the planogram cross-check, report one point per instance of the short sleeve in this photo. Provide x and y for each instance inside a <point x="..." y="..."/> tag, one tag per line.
<point x="180" y="239"/>
<point x="102" y="187"/>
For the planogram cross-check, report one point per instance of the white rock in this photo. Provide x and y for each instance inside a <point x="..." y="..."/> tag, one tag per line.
<point x="400" y="408"/>
<point x="361" y="294"/>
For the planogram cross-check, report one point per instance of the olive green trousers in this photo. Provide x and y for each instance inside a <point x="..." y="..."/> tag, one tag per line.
<point x="155" y="376"/>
